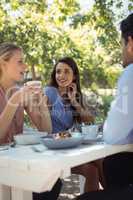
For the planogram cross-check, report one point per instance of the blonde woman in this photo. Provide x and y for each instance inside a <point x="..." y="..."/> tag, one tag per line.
<point x="13" y="101"/>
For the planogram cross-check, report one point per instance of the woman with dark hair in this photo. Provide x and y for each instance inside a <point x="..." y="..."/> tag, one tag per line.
<point x="68" y="87"/>
<point x="66" y="107"/>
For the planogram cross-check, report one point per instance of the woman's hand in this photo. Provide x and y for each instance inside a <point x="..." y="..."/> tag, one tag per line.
<point x="71" y="91"/>
<point x="35" y="97"/>
<point x="44" y="101"/>
<point x="27" y="95"/>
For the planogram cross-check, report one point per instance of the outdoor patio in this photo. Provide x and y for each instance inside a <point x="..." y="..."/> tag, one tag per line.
<point x="70" y="188"/>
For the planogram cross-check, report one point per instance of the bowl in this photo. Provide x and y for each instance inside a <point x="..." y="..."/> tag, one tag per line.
<point x="62" y="143"/>
<point x="76" y="134"/>
<point x="35" y="132"/>
<point x="25" y="139"/>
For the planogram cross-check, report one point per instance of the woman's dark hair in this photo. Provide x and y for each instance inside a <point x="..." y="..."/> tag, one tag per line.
<point x="72" y="64"/>
<point x="127" y="27"/>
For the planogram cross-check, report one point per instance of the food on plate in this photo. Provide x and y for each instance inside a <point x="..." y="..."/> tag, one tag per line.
<point x="62" y="135"/>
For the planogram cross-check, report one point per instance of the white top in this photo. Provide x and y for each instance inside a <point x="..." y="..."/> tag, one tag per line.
<point x="118" y="126"/>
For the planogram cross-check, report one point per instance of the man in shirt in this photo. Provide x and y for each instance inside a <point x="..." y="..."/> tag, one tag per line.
<point x="118" y="128"/>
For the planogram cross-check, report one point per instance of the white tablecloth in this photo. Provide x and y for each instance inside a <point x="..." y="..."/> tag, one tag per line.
<point x="23" y="168"/>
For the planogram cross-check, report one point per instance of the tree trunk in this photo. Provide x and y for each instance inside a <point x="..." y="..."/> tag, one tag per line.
<point x="33" y="72"/>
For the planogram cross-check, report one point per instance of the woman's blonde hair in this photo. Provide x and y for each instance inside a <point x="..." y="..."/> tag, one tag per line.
<point x="7" y="51"/>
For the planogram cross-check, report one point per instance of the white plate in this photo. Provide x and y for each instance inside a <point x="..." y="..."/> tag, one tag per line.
<point x="65" y="143"/>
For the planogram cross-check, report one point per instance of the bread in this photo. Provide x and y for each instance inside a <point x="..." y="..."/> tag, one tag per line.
<point x="62" y="135"/>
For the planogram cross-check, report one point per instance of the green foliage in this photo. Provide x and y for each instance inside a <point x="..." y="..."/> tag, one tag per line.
<point x="104" y="107"/>
<point x="48" y="32"/>
<point x="98" y="102"/>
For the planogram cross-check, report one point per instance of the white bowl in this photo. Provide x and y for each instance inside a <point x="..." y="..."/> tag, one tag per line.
<point x="34" y="132"/>
<point x="25" y="139"/>
<point x="41" y="133"/>
<point x="76" y="134"/>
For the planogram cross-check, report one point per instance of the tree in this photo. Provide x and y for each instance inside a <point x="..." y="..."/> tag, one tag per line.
<point x="48" y="32"/>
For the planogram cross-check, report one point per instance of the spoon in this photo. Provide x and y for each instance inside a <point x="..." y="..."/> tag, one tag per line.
<point x="38" y="149"/>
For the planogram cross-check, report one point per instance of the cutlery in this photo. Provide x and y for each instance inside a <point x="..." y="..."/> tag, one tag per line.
<point x="38" y="149"/>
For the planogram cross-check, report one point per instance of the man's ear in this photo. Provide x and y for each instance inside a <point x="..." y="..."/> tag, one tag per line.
<point x="130" y="45"/>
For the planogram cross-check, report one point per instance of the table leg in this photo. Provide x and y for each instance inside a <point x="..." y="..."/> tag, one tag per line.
<point x="5" y="192"/>
<point x="81" y="183"/>
<point x="18" y="194"/>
